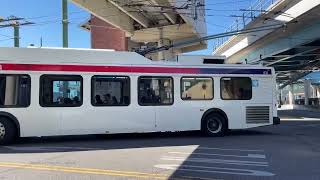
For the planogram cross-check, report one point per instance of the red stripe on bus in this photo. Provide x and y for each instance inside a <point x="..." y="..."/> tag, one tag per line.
<point x="86" y="68"/>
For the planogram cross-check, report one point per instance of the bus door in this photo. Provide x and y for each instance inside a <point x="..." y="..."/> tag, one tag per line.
<point x="62" y="97"/>
<point x="170" y="116"/>
<point x="116" y="107"/>
<point x="192" y="97"/>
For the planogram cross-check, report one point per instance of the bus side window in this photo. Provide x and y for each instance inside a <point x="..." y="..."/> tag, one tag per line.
<point x="155" y="91"/>
<point x="15" y="90"/>
<point x="236" y="88"/>
<point x="61" y="91"/>
<point x="196" y="88"/>
<point x="110" y="91"/>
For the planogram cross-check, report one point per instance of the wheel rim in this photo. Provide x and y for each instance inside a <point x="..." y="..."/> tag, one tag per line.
<point x="2" y="131"/>
<point x="214" y="125"/>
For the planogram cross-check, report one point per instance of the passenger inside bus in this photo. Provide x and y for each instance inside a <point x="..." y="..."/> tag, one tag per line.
<point x="114" y="100"/>
<point x="107" y="99"/>
<point x="241" y="94"/>
<point x="98" y="99"/>
<point x="76" y="100"/>
<point x="126" y="100"/>
<point x="149" y="97"/>
<point x="67" y="101"/>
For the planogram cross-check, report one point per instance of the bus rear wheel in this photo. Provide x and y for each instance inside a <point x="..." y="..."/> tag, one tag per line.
<point x="7" y="131"/>
<point x="214" y="125"/>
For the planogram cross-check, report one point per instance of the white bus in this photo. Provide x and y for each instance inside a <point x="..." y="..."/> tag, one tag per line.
<point x="53" y="92"/>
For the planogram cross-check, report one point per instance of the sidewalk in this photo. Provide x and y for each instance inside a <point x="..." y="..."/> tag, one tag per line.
<point x="298" y="114"/>
<point x="300" y="107"/>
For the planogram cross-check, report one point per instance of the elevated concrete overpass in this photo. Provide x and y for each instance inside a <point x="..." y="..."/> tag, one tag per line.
<point x="153" y="22"/>
<point x="293" y="50"/>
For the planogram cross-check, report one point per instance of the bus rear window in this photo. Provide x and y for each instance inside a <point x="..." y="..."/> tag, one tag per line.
<point x="60" y="91"/>
<point x="15" y="90"/>
<point x="236" y="88"/>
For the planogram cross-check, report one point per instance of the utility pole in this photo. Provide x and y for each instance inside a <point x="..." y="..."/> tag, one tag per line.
<point x="65" y="23"/>
<point x="16" y="23"/>
<point x="41" y="41"/>
<point x="16" y="34"/>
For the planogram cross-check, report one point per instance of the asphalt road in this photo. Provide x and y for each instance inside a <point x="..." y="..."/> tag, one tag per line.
<point x="287" y="151"/>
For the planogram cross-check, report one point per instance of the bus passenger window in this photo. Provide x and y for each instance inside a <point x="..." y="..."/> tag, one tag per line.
<point x="155" y="91"/>
<point x="196" y="88"/>
<point x="236" y="88"/>
<point x="110" y="91"/>
<point x="60" y="91"/>
<point x="14" y="90"/>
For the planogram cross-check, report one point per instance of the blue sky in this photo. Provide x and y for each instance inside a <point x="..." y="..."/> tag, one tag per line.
<point x="47" y="16"/>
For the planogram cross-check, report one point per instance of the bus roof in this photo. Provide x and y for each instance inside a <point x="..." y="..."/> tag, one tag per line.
<point x="95" y="57"/>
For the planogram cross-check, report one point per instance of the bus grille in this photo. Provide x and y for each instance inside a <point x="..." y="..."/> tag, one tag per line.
<point x="257" y="114"/>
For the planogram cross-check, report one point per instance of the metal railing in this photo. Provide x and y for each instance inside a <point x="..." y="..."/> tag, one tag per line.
<point x="248" y="15"/>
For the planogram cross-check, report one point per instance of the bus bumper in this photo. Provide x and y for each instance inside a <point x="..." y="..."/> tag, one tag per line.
<point x="276" y="120"/>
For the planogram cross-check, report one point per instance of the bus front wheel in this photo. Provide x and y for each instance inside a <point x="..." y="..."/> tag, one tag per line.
<point x="7" y="131"/>
<point x="214" y="125"/>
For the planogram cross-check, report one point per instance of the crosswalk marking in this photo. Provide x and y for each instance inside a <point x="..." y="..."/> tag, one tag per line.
<point x="246" y="162"/>
<point x="216" y="161"/>
<point x="260" y="156"/>
<point x="234" y="171"/>
<point x="224" y="149"/>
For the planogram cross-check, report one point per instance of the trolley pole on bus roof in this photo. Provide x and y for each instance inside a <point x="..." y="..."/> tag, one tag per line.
<point x="65" y="23"/>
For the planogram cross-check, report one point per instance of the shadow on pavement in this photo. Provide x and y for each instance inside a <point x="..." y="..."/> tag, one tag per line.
<point x="117" y="141"/>
<point x="238" y="154"/>
<point x="124" y="141"/>
<point x="245" y="157"/>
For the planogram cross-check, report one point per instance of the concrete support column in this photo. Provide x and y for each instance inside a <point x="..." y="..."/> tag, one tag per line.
<point x="318" y="91"/>
<point x="307" y="93"/>
<point x="164" y="55"/>
<point x="281" y="102"/>
<point x="278" y="91"/>
<point x="106" y="36"/>
<point x="314" y="91"/>
<point x="291" y="95"/>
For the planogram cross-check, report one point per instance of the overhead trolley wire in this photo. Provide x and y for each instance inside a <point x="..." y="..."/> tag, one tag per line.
<point x="211" y="37"/>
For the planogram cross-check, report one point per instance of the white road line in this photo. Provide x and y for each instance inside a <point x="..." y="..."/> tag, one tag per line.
<point x="260" y="156"/>
<point x="223" y="149"/>
<point x="247" y="172"/>
<point x="216" y="161"/>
